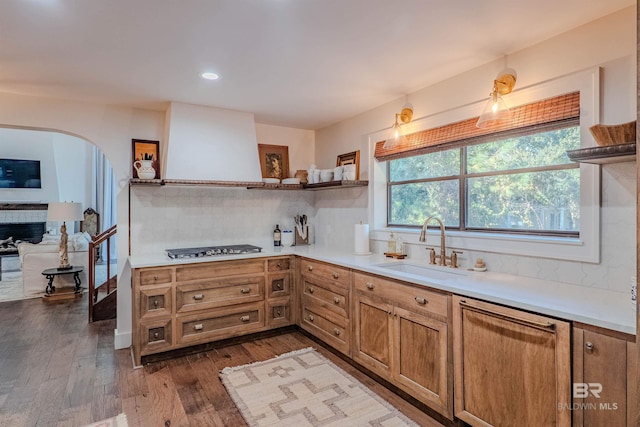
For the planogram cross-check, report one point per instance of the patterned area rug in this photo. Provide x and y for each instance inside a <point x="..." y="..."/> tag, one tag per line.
<point x="117" y="421"/>
<point x="303" y="388"/>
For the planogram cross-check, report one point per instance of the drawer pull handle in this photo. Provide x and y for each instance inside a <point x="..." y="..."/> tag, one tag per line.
<point x="526" y="322"/>
<point x="245" y="290"/>
<point x="198" y="297"/>
<point x="370" y="285"/>
<point x="336" y="331"/>
<point x="244" y="318"/>
<point x="279" y="313"/>
<point x="310" y="290"/>
<point x="198" y="327"/>
<point x="156" y="335"/>
<point x="421" y="300"/>
<point x="336" y="300"/>
<point x="589" y="346"/>
<point x="279" y="285"/>
<point x="278" y="265"/>
<point x="310" y="268"/>
<point x="155" y="277"/>
<point x="155" y="302"/>
<point x="335" y="275"/>
<point x="311" y="318"/>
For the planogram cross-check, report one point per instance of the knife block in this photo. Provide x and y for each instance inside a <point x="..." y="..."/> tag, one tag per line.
<point x="299" y="239"/>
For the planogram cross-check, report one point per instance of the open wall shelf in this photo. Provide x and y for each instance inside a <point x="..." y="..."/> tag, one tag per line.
<point x="251" y="185"/>
<point x="604" y="154"/>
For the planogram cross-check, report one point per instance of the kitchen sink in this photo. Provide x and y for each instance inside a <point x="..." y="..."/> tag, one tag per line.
<point x="426" y="271"/>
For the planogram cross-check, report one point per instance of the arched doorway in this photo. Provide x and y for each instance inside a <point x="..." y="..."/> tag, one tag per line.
<point x="69" y="168"/>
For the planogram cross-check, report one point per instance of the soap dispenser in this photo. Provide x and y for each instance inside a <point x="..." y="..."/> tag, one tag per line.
<point x="400" y="246"/>
<point x="391" y="244"/>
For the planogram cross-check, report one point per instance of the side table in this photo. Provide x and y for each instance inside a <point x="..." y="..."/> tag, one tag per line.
<point x="51" y="273"/>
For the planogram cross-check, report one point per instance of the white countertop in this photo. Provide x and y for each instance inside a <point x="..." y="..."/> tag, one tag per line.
<point x="598" y="307"/>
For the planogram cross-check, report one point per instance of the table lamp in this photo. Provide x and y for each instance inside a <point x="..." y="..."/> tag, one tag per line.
<point x="63" y="211"/>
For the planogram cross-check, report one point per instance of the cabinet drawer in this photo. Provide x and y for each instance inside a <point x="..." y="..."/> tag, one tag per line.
<point x="415" y="298"/>
<point x="332" y="329"/>
<point x="278" y="284"/>
<point x="218" y="324"/>
<point x="219" y="293"/>
<point x="326" y="295"/>
<point x="155" y="276"/>
<point x="279" y="312"/>
<point x="218" y="269"/>
<point x="155" y="336"/>
<point x="331" y="273"/>
<point x="155" y="301"/>
<point x="278" y="264"/>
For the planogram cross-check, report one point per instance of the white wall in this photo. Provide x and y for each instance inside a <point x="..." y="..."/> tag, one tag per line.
<point x="609" y="43"/>
<point x="72" y="169"/>
<point x="301" y="143"/>
<point x="31" y="145"/>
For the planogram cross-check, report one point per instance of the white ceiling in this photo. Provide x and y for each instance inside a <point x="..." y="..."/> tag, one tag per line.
<point x="297" y="63"/>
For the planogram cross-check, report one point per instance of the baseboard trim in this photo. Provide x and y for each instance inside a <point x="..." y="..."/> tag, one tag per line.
<point x="121" y="339"/>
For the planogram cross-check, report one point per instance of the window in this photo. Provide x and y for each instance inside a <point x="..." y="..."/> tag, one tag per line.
<point x="451" y="133"/>
<point x="522" y="183"/>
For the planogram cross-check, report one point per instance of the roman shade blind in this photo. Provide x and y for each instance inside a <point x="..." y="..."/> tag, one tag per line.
<point x="548" y="114"/>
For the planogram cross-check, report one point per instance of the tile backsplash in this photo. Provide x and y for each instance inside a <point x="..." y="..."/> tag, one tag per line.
<point x="168" y="217"/>
<point x="174" y="217"/>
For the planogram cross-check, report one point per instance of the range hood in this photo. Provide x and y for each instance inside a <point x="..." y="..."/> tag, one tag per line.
<point x="206" y="143"/>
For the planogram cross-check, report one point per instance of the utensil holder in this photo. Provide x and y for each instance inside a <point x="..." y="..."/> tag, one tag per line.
<point x="299" y="239"/>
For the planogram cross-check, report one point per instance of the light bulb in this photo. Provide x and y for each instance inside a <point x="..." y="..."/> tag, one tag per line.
<point x="396" y="131"/>
<point x="494" y="99"/>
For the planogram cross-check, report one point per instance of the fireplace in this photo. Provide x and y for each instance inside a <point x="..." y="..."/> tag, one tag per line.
<point x="13" y="233"/>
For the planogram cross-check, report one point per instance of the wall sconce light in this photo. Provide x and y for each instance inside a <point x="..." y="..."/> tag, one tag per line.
<point x="496" y="109"/>
<point x="396" y="135"/>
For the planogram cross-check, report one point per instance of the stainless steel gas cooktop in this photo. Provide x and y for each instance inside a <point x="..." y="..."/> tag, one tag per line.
<point x="212" y="251"/>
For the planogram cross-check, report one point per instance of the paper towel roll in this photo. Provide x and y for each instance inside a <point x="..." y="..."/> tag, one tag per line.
<point x="362" y="239"/>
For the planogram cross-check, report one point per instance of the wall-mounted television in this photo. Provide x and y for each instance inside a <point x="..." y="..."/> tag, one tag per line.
<point x="15" y="173"/>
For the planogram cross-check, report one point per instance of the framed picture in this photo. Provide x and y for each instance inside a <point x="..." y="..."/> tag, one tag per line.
<point x="352" y="158"/>
<point x="145" y="159"/>
<point x="274" y="161"/>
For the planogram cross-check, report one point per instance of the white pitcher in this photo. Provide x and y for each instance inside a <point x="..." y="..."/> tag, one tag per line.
<point x="145" y="169"/>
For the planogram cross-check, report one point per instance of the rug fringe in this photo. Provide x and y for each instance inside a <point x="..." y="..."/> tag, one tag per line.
<point x="121" y="420"/>
<point x="229" y="370"/>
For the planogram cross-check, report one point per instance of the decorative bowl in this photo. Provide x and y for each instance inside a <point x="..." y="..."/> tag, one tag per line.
<point x="614" y="134"/>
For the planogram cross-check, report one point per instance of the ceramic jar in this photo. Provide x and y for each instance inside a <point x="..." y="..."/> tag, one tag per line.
<point x="145" y="169"/>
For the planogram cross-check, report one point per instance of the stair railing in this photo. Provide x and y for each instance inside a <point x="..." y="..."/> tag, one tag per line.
<point x="94" y="256"/>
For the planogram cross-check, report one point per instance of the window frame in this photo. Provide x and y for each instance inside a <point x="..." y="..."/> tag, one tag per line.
<point x="463" y="176"/>
<point x="585" y="248"/>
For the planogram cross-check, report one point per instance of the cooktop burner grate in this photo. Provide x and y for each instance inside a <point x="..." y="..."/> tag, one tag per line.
<point x="212" y="251"/>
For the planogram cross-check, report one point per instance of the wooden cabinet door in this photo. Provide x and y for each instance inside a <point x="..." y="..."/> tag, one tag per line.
<point x="373" y="335"/>
<point x="512" y="368"/>
<point x="421" y="358"/>
<point x="600" y="371"/>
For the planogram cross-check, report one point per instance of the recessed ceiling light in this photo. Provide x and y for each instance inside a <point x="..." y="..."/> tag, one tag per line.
<point x="210" y="76"/>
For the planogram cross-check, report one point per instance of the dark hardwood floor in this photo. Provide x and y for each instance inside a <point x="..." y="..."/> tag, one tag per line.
<point x="58" y="370"/>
